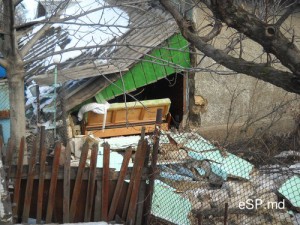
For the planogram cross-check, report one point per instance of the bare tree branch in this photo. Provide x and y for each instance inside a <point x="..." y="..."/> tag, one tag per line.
<point x="285" y="80"/>
<point x="271" y="38"/>
<point x="287" y="13"/>
<point x="24" y="51"/>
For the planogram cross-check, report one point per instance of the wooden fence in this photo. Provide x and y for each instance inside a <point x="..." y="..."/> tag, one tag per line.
<point x="53" y="191"/>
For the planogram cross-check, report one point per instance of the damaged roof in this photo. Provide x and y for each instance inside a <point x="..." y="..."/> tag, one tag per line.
<point x="148" y="26"/>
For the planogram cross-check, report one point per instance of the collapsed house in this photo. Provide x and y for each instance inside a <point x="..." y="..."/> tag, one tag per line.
<point x="210" y="177"/>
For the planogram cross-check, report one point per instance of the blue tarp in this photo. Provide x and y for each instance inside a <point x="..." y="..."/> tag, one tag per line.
<point x="2" y="72"/>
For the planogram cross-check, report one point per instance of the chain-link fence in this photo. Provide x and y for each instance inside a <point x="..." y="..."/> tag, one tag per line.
<point x="202" y="183"/>
<point x="4" y="111"/>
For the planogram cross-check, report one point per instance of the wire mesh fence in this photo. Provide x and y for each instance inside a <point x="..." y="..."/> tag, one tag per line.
<point x="201" y="183"/>
<point x="4" y="109"/>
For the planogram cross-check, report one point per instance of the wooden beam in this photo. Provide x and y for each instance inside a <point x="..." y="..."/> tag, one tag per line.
<point x="78" y="181"/>
<point x="29" y="185"/>
<point x="119" y="186"/>
<point x="17" y="184"/>
<point x="91" y="184"/>
<point x="4" y="114"/>
<point x="78" y="72"/>
<point x="53" y="183"/>
<point x="136" y="184"/>
<point x="67" y="169"/>
<point x="41" y="176"/>
<point x="130" y="187"/>
<point x="124" y="130"/>
<point x="105" y="182"/>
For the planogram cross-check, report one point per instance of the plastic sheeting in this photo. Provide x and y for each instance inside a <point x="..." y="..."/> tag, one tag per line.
<point x="96" y="108"/>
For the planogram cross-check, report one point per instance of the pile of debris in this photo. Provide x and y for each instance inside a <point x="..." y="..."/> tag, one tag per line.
<point x="201" y="182"/>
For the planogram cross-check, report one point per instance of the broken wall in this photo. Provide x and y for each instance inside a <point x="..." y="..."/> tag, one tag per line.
<point x="234" y="106"/>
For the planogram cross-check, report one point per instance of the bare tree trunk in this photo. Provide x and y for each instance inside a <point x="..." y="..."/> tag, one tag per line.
<point x="17" y="104"/>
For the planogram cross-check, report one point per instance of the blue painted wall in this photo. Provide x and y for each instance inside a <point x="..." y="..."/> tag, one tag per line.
<point x="4" y="105"/>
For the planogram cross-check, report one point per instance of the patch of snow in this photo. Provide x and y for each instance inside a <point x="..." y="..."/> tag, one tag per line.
<point x="30" y="7"/>
<point x="285" y="154"/>
<point x="89" y="30"/>
<point x="122" y="142"/>
<point x="96" y="28"/>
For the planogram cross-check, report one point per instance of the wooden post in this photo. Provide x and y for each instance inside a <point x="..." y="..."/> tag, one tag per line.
<point x="105" y="182"/>
<point x="43" y="154"/>
<point x="78" y="181"/>
<point x="67" y="169"/>
<point x="53" y="182"/>
<point x="91" y="184"/>
<point x="142" y="191"/>
<point x="226" y="214"/>
<point x="17" y="185"/>
<point x="153" y="169"/>
<point x="119" y="186"/>
<point x="29" y="185"/>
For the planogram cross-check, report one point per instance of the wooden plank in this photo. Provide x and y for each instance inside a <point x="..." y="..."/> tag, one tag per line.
<point x="140" y="204"/>
<point x="91" y="184"/>
<point x="97" y="210"/>
<point x="114" y="175"/>
<point x="8" y="157"/>
<point x="136" y="184"/>
<point x="105" y="182"/>
<point x="67" y="170"/>
<point x="142" y="192"/>
<point x="29" y="185"/>
<point x="17" y="184"/>
<point x="119" y="186"/>
<point x="43" y="154"/>
<point x="53" y="182"/>
<point x="78" y="181"/>
<point x="130" y="187"/>
<point x="4" y="114"/>
<point x="124" y="130"/>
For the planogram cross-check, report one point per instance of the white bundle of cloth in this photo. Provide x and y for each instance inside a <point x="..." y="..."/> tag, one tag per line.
<point x="96" y="108"/>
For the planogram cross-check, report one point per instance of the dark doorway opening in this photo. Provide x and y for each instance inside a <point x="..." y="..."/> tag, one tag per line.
<point x="171" y="87"/>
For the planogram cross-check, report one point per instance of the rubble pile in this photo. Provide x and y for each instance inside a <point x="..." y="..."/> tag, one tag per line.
<point x="204" y="179"/>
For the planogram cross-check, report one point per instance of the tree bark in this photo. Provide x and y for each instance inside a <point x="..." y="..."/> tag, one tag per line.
<point x="280" y="46"/>
<point x="17" y="103"/>
<point x="15" y="76"/>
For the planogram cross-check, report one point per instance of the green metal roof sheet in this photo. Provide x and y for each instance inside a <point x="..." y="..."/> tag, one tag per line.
<point x="172" y="57"/>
